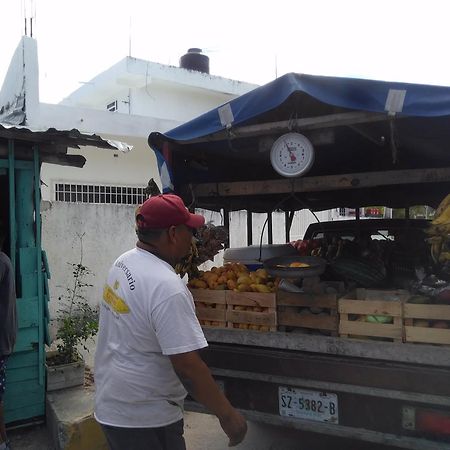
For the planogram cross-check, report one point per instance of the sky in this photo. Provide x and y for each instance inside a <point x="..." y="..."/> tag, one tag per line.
<point x="253" y="41"/>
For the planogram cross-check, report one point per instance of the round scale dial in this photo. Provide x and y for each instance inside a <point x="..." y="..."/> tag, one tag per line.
<point x="292" y="155"/>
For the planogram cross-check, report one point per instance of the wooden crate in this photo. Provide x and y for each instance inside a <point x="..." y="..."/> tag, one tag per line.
<point x="240" y="315"/>
<point x="210" y="307"/>
<point x="354" y="307"/>
<point x="416" y="333"/>
<point x="289" y="310"/>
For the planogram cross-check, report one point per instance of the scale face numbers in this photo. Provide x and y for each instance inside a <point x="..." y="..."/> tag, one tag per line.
<point x="292" y="155"/>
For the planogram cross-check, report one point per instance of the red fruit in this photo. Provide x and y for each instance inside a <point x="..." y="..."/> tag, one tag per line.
<point x="443" y="297"/>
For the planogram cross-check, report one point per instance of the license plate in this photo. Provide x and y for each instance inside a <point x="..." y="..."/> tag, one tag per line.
<point x="310" y="405"/>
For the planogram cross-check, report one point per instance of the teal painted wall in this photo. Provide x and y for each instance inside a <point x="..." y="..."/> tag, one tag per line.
<point x="25" y="384"/>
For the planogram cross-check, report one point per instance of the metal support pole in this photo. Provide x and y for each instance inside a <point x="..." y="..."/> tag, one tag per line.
<point x="226" y="224"/>
<point x="249" y="228"/>
<point x="269" y="228"/>
<point x="12" y="203"/>
<point x="288" y="217"/>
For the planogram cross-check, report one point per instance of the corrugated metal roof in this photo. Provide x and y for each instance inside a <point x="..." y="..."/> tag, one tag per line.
<point x="51" y="136"/>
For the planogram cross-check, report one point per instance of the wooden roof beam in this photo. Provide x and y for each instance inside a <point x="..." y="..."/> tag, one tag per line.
<point x="309" y="123"/>
<point x="322" y="183"/>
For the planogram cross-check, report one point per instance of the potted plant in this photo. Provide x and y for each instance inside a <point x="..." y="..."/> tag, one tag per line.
<point x="77" y="323"/>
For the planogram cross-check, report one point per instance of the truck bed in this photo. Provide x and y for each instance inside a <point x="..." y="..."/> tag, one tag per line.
<point x="378" y="384"/>
<point x="431" y="355"/>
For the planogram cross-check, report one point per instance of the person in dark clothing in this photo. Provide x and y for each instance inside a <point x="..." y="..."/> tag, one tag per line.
<point x="8" y="327"/>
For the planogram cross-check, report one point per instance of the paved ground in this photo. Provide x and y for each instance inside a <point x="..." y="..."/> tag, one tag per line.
<point x="203" y="432"/>
<point x="30" y="438"/>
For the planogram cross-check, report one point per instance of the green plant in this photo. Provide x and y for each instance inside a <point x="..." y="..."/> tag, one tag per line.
<point x="77" y="320"/>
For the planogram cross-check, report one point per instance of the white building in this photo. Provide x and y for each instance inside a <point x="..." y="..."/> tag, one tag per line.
<point x="125" y="102"/>
<point x="94" y="205"/>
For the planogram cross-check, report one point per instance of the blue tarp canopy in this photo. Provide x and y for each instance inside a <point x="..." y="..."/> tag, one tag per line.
<point x="355" y="126"/>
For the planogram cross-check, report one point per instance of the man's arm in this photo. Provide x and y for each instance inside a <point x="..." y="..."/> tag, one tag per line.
<point x="196" y="377"/>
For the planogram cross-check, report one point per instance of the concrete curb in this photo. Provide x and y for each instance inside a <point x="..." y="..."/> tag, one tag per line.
<point x="70" y="420"/>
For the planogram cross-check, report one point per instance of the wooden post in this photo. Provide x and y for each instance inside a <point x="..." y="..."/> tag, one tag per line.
<point x="40" y="285"/>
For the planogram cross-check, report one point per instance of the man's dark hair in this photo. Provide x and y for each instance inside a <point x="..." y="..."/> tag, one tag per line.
<point x="149" y="235"/>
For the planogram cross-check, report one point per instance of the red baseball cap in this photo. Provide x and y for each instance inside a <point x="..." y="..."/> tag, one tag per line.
<point x="165" y="210"/>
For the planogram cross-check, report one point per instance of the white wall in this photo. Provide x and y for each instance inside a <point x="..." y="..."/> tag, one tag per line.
<point x="303" y="219"/>
<point x="21" y="80"/>
<point x="92" y="121"/>
<point x="105" y="166"/>
<point x="144" y="81"/>
<point x="238" y="228"/>
<point x="161" y="101"/>
<point x="107" y="230"/>
<point x="175" y="102"/>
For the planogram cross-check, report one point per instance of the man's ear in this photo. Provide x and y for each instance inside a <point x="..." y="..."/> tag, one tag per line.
<point x="172" y="234"/>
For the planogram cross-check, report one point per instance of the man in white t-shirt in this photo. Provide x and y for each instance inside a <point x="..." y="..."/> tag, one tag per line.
<point x="147" y="353"/>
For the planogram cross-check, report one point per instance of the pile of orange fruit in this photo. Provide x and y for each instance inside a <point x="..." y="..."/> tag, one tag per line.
<point x="235" y="277"/>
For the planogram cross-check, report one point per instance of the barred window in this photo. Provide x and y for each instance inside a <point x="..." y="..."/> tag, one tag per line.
<point x="342" y="212"/>
<point x="100" y="194"/>
<point x="112" y="106"/>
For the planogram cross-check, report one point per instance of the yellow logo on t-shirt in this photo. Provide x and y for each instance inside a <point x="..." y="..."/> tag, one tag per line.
<point x="113" y="300"/>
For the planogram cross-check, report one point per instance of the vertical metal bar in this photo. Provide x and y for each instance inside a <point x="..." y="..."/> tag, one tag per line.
<point x="226" y="224"/>
<point x="12" y="204"/>
<point x="287" y="226"/>
<point x="357" y="213"/>
<point x="41" y="299"/>
<point x="249" y="228"/>
<point x="289" y="217"/>
<point x="269" y="228"/>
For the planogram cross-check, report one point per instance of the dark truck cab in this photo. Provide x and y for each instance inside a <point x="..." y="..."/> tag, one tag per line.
<point x="400" y="245"/>
<point x="370" y="149"/>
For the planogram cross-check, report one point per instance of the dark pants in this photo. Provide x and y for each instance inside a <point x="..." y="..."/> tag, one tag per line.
<point x="169" y="437"/>
<point x="3" y="359"/>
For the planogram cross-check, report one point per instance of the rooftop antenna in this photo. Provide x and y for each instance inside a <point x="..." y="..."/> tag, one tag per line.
<point x="129" y="38"/>
<point x="29" y="13"/>
<point x="276" y="66"/>
<point x="24" y="18"/>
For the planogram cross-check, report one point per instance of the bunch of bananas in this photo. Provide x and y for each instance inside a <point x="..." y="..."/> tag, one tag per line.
<point x="439" y="232"/>
<point x="188" y="265"/>
<point x="209" y="240"/>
